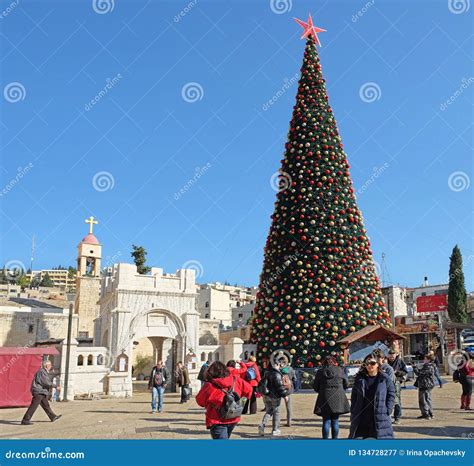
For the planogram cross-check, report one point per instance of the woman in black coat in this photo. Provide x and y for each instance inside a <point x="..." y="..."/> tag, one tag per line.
<point x="330" y="383"/>
<point x="372" y="401"/>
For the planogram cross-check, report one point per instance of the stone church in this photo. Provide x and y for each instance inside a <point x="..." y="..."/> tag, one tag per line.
<point x="123" y="315"/>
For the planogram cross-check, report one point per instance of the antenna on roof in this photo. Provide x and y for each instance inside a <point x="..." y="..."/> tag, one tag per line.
<point x="385" y="275"/>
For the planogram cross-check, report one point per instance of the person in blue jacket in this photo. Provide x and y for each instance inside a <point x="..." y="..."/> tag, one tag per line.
<point x="372" y="400"/>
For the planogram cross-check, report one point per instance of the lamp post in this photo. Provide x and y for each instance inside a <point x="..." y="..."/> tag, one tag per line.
<point x="68" y="352"/>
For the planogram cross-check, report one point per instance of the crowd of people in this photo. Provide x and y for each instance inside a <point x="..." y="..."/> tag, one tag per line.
<point x="229" y="391"/>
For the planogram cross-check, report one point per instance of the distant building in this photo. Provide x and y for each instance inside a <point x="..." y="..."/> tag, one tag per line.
<point x="224" y="302"/>
<point x="61" y="278"/>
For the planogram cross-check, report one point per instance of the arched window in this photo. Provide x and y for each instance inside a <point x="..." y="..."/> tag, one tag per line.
<point x="203" y="356"/>
<point x="217" y="356"/>
<point x="209" y="356"/>
<point x="207" y="304"/>
<point x="90" y="360"/>
<point x="100" y="360"/>
<point x="80" y="360"/>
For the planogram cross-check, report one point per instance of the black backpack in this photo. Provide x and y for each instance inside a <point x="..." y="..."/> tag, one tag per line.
<point x="262" y="386"/>
<point x="231" y="406"/>
<point x="425" y="379"/>
<point x="456" y="376"/>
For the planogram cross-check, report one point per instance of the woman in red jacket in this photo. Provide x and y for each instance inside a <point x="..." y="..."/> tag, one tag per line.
<point x="253" y="378"/>
<point x="237" y="371"/>
<point x="211" y="397"/>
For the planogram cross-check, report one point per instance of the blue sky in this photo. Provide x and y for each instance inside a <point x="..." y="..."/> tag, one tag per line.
<point x="399" y="78"/>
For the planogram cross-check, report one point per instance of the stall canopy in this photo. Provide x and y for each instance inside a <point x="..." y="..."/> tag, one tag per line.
<point x="17" y="368"/>
<point x="371" y="333"/>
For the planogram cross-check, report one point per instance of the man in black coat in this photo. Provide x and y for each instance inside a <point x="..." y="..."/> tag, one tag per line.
<point x="400" y="369"/>
<point x="40" y="386"/>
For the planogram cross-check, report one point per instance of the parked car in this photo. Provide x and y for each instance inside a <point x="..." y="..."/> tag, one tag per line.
<point x="467" y="341"/>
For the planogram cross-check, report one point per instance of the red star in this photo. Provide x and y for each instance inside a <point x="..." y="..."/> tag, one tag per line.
<point x="310" y="29"/>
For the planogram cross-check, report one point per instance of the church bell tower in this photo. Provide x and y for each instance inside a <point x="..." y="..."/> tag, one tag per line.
<point x="89" y="255"/>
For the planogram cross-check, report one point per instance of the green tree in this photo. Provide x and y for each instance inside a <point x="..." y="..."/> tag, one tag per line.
<point x="139" y="257"/>
<point x="457" y="296"/>
<point x="4" y="276"/>
<point x="46" y="281"/>
<point x="23" y="281"/>
<point x="318" y="282"/>
<point x="71" y="272"/>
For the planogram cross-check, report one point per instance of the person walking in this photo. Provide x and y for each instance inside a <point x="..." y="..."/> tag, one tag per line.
<point x="160" y="377"/>
<point x="213" y="396"/>
<point x="253" y="377"/>
<point x="202" y="372"/>
<point x="372" y="402"/>
<point x="425" y="382"/>
<point x="400" y="371"/>
<point x="330" y="383"/>
<point x="290" y="382"/>
<point x="466" y="378"/>
<point x="40" y="386"/>
<point x="273" y="390"/>
<point x="183" y="381"/>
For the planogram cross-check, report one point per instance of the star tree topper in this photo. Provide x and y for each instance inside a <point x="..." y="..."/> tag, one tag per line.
<point x="310" y="29"/>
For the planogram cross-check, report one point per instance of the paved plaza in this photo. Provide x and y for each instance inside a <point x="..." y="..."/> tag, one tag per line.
<point x="131" y="419"/>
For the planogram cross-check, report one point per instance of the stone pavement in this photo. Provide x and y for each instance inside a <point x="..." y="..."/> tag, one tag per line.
<point x="131" y="419"/>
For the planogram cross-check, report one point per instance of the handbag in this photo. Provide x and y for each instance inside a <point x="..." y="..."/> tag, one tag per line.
<point x="187" y="391"/>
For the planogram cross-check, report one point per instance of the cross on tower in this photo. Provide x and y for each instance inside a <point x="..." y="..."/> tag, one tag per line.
<point x="91" y="223"/>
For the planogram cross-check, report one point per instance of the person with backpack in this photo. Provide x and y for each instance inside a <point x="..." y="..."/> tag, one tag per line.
<point x="289" y="382"/>
<point x="400" y="370"/>
<point x="372" y="400"/>
<point x="273" y="390"/>
<point x="425" y="382"/>
<point x="202" y="372"/>
<point x="466" y="378"/>
<point x="221" y="396"/>
<point x="234" y="370"/>
<point x="252" y="376"/>
<point x="330" y="383"/>
<point x="159" y="379"/>
<point x="183" y="381"/>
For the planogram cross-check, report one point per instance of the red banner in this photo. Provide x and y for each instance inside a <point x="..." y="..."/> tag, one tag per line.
<point x="434" y="303"/>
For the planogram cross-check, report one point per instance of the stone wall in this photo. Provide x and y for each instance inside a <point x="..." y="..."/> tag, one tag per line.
<point x="20" y="326"/>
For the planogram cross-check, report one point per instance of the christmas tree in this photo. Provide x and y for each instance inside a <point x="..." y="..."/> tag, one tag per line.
<point x="457" y="295"/>
<point x="318" y="282"/>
